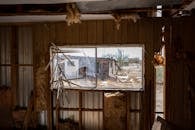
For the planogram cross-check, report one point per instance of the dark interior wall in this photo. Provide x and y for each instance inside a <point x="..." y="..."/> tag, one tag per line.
<point x="145" y="31"/>
<point x="180" y="72"/>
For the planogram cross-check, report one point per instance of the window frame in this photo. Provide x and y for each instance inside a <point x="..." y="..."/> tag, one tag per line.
<point x="105" y="46"/>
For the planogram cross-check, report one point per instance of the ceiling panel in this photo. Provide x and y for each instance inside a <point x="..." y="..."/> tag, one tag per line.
<point x="99" y="6"/>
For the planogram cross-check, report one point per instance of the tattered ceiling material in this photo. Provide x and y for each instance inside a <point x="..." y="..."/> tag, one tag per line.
<point x="73" y="14"/>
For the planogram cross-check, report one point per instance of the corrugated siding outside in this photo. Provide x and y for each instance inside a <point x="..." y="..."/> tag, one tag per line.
<point x="92" y="120"/>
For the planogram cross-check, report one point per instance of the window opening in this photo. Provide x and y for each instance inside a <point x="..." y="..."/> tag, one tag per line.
<point x="160" y="87"/>
<point x="101" y="68"/>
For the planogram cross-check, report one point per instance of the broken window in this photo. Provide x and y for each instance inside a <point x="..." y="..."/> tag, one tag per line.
<point x="102" y="68"/>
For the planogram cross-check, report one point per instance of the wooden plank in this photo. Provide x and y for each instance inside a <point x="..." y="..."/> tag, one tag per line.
<point x="116" y="34"/>
<point x="133" y="32"/>
<point x="124" y="35"/>
<point x="108" y="35"/>
<point x="83" y="32"/>
<point x="99" y="32"/>
<point x="72" y="34"/>
<point x="91" y="38"/>
<point x="52" y="33"/>
<point x="60" y="33"/>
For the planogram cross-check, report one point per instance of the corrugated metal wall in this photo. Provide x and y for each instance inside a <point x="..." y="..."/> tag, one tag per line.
<point x="92" y="120"/>
<point x="91" y="109"/>
<point x="92" y="100"/>
<point x="69" y="99"/>
<point x="5" y="40"/>
<point x="5" y="76"/>
<point x="25" y="59"/>
<point x="25" y="85"/>
<point x="5" y="56"/>
<point x="93" y="33"/>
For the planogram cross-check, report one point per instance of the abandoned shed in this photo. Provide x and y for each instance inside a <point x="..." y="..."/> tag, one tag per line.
<point x="97" y="64"/>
